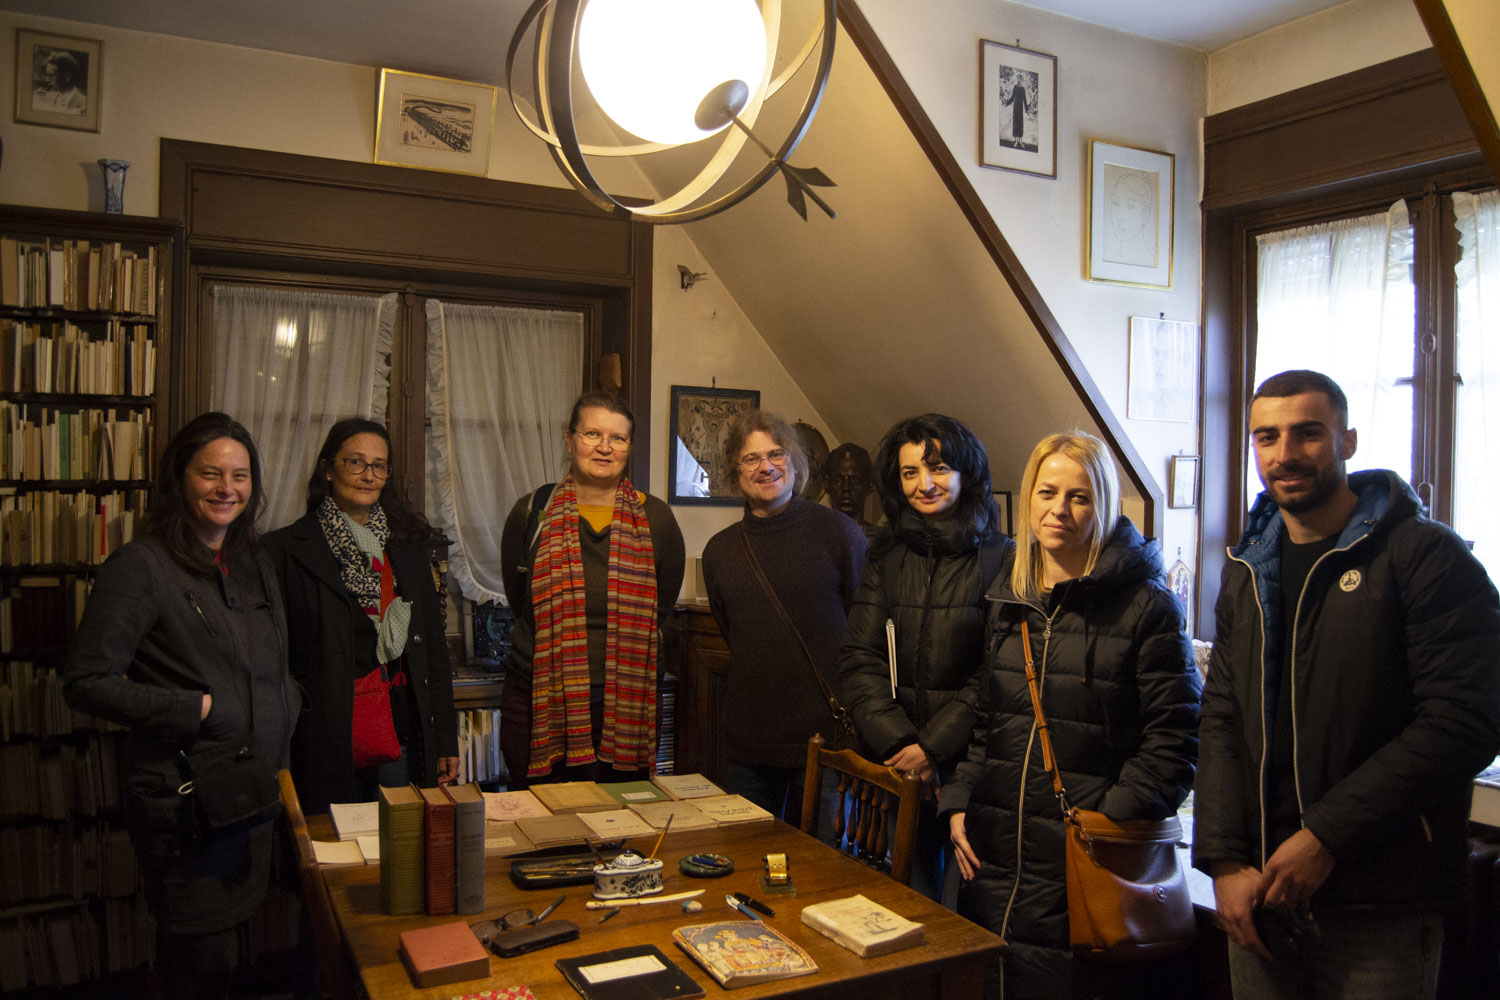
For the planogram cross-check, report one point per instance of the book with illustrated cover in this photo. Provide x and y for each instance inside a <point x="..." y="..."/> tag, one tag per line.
<point x="574" y="797"/>
<point x="628" y="793"/>
<point x="501" y="807"/>
<point x="617" y="824"/>
<point x="686" y="786"/>
<point x="863" y="926"/>
<point x="639" y="972"/>
<point x="684" y="815"/>
<point x="742" y="952"/>
<point x="727" y="810"/>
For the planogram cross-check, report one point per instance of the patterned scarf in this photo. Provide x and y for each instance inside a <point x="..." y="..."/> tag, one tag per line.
<point x="359" y="550"/>
<point x="560" y="723"/>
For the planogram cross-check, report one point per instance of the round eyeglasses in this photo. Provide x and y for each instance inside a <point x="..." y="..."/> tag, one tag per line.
<point x="776" y="456"/>
<point x="617" y="442"/>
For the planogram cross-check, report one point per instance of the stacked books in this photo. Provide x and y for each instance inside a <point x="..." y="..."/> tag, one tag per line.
<point x="437" y="850"/>
<point x="863" y="926"/>
<point x="401" y="877"/>
<point x="468" y="847"/>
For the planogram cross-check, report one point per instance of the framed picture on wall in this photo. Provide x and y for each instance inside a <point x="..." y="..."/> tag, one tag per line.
<point x="696" y="471"/>
<point x="1017" y="109"/>
<point x="1182" y="482"/>
<point x="1130" y="215"/>
<point x="1003" y="504"/>
<point x="434" y="123"/>
<point x="59" y="80"/>
<point x="1163" y="369"/>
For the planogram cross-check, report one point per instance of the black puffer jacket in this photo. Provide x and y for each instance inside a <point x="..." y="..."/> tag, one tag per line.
<point x="1120" y="691"/>
<point x="930" y="580"/>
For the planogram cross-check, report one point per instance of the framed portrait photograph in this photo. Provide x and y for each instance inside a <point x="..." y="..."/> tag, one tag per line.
<point x="434" y="123"/>
<point x="59" y="80"/>
<point x="1163" y="369"/>
<point x="1017" y="109"/>
<point x="697" y="473"/>
<point x="1130" y="215"/>
<point x="1182" y="482"/>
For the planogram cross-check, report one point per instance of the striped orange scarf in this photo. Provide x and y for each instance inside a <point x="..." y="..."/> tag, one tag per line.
<point x="560" y="723"/>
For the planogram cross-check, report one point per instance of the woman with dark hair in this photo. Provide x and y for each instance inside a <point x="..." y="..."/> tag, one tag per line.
<point x="1120" y="693"/>
<point x="592" y="570"/>
<point x="365" y="616"/>
<point x="183" y="641"/>
<point x="917" y="625"/>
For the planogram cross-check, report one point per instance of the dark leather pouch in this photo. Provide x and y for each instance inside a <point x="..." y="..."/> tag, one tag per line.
<point x="509" y="944"/>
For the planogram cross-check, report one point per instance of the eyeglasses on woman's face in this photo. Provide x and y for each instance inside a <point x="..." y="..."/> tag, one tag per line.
<point x="593" y="438"/>
<point x="357" y="466"/>
<point x="776" y="456"/>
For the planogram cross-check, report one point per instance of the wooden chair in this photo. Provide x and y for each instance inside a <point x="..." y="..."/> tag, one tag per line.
<point x="334" y="968"/>
<point x="868" y="795"/>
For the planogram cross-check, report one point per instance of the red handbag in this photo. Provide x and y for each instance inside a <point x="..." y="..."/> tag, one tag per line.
<point x="374" y="730"/>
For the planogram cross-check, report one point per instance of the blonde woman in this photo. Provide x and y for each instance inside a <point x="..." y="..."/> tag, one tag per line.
<point x="1121" y="695"/>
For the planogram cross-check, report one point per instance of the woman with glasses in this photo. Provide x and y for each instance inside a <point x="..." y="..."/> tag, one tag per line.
<point x="366" y="630"/>
<point x="915" y="641"/>
<point x="592" y="570"/>
<point x="809" y="557"/>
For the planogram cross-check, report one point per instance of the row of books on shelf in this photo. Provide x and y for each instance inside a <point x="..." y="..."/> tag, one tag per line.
<point x="112" y="358"/>
<point x="53" y="442"/>
<point x="37" y="615"/>
<point x="45" y="527"/>
<point x="479" y="746"/>
<point x="64" y="947"/>
<point x="76" y="777"/>
<point x="91" y="859"/>
<point x="100" y="275"/>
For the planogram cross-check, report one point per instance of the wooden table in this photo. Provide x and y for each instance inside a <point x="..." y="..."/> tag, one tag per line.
<point x="949" y="965"/>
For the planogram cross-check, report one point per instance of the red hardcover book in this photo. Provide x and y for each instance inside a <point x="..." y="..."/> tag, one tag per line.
<point x="437" y="842"/>
<point x="446" y="953"/>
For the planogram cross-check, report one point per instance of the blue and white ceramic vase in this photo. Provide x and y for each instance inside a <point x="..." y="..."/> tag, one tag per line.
<point x="114" y="184"/>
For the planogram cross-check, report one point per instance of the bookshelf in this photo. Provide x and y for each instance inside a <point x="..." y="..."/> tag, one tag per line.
<point x="86" y="324"/>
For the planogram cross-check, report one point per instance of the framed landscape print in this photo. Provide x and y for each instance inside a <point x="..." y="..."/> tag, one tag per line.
<point x="434" y="123"/>
<point x="1017" y="109"/>
<point x="697" y="473"/>
<point x="1130" y="215"/>
<point x="59" y="80"/>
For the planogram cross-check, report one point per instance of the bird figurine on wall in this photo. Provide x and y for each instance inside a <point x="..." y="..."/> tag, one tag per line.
<point x="689" y="276"/>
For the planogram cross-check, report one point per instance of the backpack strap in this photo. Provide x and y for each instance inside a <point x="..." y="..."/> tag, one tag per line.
<point x="539" y="501"/>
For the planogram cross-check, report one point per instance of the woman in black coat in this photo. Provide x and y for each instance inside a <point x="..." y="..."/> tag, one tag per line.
<point x="923" y="584"/>
<point x="1120" y="692"/>
<point x="362" y="600"/>
<point x="183" y="641"/>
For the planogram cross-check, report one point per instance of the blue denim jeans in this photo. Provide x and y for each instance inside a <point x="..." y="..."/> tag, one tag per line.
<point x="778" y="790"/>
<point x="1359" y="955"/>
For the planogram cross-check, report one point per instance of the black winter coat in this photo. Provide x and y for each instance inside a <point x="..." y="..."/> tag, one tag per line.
<point x="1120" y="691"/>
<point x="1396" y="676"/>
<point x="332" y="642"/>
<point x="929" y="579"/>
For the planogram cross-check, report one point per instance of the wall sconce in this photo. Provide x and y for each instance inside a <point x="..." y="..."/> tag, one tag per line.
<point x="689" y="276"/>
<point x="670" y="73"/>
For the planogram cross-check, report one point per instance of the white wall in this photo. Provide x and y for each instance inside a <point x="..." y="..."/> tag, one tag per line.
<point x="1318" y="47"/>
<point x="1112" y="86"/>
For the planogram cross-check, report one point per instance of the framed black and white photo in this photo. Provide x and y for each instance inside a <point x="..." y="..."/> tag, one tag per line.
<point x="434" y="123"/>
<point x="1017" y="109"/>
<point x="1163" y="369"/>
<point x="1005" y="508"/>
<point x="59" y="80"/>
<point x="697" y="473"/>
<point x="1130" y="195"/>
<point x="1182" y="482"/>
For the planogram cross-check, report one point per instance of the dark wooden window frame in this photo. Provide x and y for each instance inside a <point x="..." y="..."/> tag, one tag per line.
<point x="1319" y="152"/>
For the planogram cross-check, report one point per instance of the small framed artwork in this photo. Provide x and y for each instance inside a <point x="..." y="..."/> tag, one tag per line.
<point x="434" y="123"/>
<point x="59" y="80"/>
<point x="1163" y="369"/>
<point x="697" y="473"/>
<point x="1182" y="482"/>
<point x="1017" y="109"/>
<point x="1005" y="508"/>
<point x="1130" y="215"/>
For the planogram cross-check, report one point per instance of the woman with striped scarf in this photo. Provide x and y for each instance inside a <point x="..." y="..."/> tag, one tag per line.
<point x="592" y="571"/>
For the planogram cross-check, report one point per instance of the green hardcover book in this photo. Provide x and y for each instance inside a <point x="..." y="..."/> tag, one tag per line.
<point x="402" y="887"/>
<point x="630" y="793"/>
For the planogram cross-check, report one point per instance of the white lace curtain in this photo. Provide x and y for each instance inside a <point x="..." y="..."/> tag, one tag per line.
<point x="288" y="364"/>
<point x="501" y="382"/>
<point x="1338" y="298"/>
<point x="1476" y="476"/>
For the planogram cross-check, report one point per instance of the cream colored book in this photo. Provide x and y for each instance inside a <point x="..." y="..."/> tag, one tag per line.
<point x="686" y="786"/>
<point x="864" y="926"/>
<point x="502" y="807"/>
<point x="727" y="810"/>
<point x="684" y="815"/>
<point x="574" y="797"/>
<point x="354" y="819"/>
<point x="617" y="824"/>
<point x="554" y="831"/>
<point x="369" y="846"/>
<point x="337" y="853"/>
<point x="501" y="840"/>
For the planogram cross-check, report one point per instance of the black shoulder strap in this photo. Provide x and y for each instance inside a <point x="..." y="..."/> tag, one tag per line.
<point x="539" y="501"/>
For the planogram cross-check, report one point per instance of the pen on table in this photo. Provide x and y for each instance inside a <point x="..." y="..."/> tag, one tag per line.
<point x="754" y="904"/>
<point x="743" y="908"/>
<point x="659" y="837"/>
<point x="609" y="913"/>
<point x="548" y="911"/>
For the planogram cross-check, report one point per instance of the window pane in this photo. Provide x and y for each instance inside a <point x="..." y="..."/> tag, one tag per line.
<point x="1338" y="298"/>
<point x="1475" y="474"/>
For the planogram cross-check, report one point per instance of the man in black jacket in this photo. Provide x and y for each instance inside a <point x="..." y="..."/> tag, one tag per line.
<point x="1352" y="695"/>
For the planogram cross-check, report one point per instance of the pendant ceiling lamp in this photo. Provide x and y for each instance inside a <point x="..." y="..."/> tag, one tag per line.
<point x="669" y="73"/>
